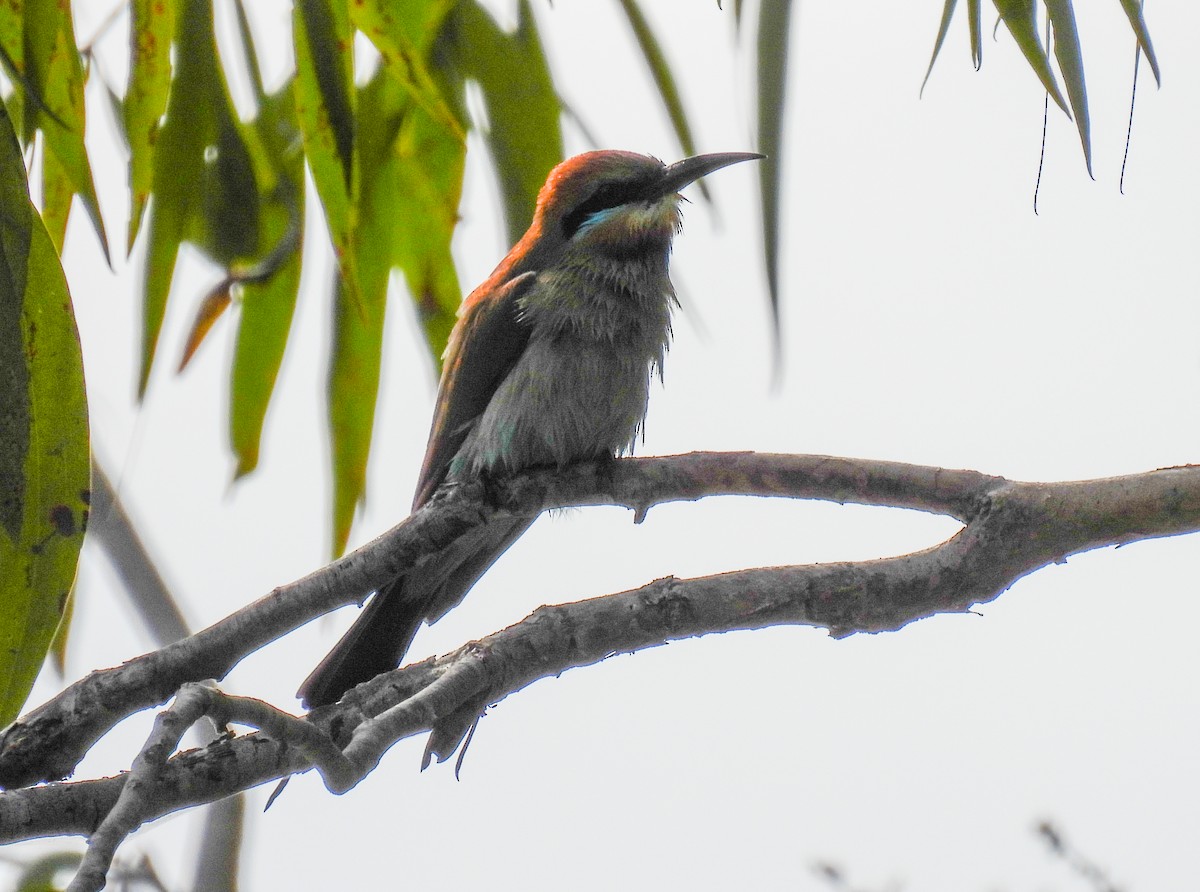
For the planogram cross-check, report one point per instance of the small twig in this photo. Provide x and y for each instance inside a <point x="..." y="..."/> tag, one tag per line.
<point x="1137" y="58"/>
<point x="1037" y="186"/>
<point x="137" y="794"/>
<point x="458" y="681"/>
<point x="105" y="26"/>
<point x="1077" y="861"/>
<point x="136" y="802"/>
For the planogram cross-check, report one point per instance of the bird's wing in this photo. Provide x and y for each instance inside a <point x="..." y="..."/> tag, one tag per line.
<point x="484" y="346"/>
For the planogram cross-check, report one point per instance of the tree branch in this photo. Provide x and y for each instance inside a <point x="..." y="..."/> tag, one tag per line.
<point x="1011" y="529"/>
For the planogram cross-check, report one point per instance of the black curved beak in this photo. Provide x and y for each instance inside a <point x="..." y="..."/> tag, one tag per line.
<point x="678" y="175"/>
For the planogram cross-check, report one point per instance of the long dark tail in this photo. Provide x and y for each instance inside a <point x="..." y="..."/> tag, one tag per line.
<point x="380" y="637"/>
<point x="375" y="643"/>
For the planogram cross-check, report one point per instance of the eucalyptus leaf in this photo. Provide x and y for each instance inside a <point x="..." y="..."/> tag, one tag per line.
<point x="1018" y="16"/>
<point x="1070" y="63"/>
<point x="44" y="452"/>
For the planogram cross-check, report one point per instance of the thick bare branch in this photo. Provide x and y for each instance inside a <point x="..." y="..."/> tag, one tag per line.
<point x="1011" y="529"/>
<point x="48" y="743"/>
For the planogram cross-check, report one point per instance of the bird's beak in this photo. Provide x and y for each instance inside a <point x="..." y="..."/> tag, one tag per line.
<point x="681" y="173"/>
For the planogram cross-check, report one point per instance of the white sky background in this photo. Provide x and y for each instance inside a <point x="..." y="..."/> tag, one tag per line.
<point x="929" y="317"/>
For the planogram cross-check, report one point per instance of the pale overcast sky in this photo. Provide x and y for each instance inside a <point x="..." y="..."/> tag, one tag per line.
<point x="929" y="317"/>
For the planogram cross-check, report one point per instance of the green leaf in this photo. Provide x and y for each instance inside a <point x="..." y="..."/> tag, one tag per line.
<point x="268" y="296"/>
<point x="48" y="872"/>
<point x="62" y="635"/>
<point x="525" y="136"/>
<point x="12" y="33"/>
<point x="353" y="388"/>
<point x="773" y="29"/>
<point x="205" y="189"/>
<point x="668" y="91"/>
<point x="12" y="57"/>
<point x="12" y="60"/>
<point x="1018" y="15"/>
<point x="943" y="29"/>
<point x="1133" y="11"/>
<point x="52" y="63"/>
<point x="411" y="206"/>
<point x="249" y="54"/>
<point x="1070" y="63"/>
<point x="151" y="28"/>
<point x="401" y="30"/>
<point x="975" y="26"/>
<point x="56" y="199"/>
<point x="325" y="111"/>
<point x="429" y="172"/>
<point x="228" y="226"/>
<point x="16" y="227"/>
<point x="266" y="316"/>
<point x="326" y="115"/>
<point x="411" y="167"/>
<point x="44" y="467"/>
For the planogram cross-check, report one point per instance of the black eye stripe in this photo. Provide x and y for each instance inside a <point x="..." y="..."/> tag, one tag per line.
<point x="608" y="195"/>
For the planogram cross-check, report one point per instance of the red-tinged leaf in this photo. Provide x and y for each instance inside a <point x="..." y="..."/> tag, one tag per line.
<point x="178" y="170"/>
<point x="214" y="304"/>
<point x="205" y="188"/>
<point x="525" y="136"/>
<point x="1018" y="16"/>
<point x="52" y="63"/>
<point x="44" y="465"/>
<point x="152" y="25"/>
<point x="1070" y="62"/>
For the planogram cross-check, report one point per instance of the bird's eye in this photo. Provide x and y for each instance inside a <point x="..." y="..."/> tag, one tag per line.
<point x="608" y="195"/>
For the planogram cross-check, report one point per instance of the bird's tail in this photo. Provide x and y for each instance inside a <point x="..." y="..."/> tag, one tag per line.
<point x="380" y="637"/>
<point x="374" y="644"/>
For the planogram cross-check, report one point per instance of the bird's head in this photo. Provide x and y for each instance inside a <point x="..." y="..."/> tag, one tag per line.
<point x="616" y="203"/>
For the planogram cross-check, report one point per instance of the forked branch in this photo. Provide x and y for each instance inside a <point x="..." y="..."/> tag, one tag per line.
<point x="1010" y="529"/>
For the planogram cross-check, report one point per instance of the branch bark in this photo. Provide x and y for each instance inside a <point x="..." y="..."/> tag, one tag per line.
<point x="1010" y="529"/>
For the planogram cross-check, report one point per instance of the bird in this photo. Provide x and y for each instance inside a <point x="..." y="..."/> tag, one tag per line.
<point x="549" y="363"/>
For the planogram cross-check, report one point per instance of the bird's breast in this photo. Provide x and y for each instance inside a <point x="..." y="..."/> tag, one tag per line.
<point x="579" y="390"/>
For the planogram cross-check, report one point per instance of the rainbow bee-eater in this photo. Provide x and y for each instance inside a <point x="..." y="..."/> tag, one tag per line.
<point x="549" y="363"/>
